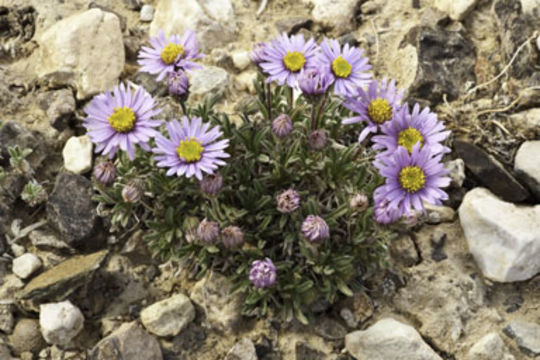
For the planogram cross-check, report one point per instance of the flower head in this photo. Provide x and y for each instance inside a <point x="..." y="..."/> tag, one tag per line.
<point x="413" y="178"/>
<point x="285" y="58"/>
<point x="133" y="191"/>
<point x="232" y="237"/>
<point x="258" y="55"/>
<point x="263" y="273"/>
<point x="208" y="232"/>
<point x="315" y="229"/>
<point x="377" y="106"/>
<point x="359" y="202"/>
<point x="382" y="212"/>
<point x="169" y="54"/>
<point x="211" y="184"/>
<point x="121" y="119"/>
<point x="105" y="173"/>
<point x="282" y="125"/>
<point x="317" y="139"/>
<point x="347" y="67"/>
<point x="191" y="149"/>
<point x="313" y="83"/>
<point x="407" y="130"/>
<point x="178" y="83"/>
<point x="288" y="201"/>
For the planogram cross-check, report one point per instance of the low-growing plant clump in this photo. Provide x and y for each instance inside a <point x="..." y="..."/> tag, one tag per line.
<point x="289" y="204"/>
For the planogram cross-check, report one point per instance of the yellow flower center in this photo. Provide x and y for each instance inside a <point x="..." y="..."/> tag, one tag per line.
<point x="171" y="52"/>
<point x="380" y="111"/>
<point x="122" y="119"/>
<point x="294" y="61"/>
<point x="190" y="150"/>
<point x="410" y="137"/>
<point x="412" y="178"/>
<point x="341" y="67"/>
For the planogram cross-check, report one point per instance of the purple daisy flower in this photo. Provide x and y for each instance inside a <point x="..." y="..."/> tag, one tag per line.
<point x="191" y="149"/>
<point x="346" y="67"/>
<point x="413" y="178"/>
<point x="288" y="57"/>
<point x="167" y="55"/>
<point x="263" y="273"/>
<point x="312" y="82"/>
<point x="121" y="119"/>
<point x="408" y="129"/>
<point x="376" y="106"/>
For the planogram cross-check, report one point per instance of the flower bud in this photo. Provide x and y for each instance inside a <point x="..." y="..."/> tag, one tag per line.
<point x="359" y="202"/>
<point x="282" y="125"/>
<point x="132" y="191"/>
<point x="315" y="229"/>
<point x="105" y="173"/>
<point x="288" y="201"/>
<point x="232" y="237"/>
<point x="178" y="83"/>
<point x="211" y="184"/>
<point x="313" y="83"/>
<point x="317" y="139"/>
<point x="263" y="273"/>
<point x="208" y="232"/>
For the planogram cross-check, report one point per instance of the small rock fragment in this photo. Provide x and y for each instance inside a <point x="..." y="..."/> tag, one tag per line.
<point x="60" y="322"/>
<point x="241" y="60"/>
<point x="209" y="79"/>
<point x="335" y="14"/>
<point x="527" y="166"/>
<point x="77" y="154"/>
<point x="456" y="9"/>
<point x="437" y="214"/>
<point x="456" y="172"/>
<point x="527" y="336"/>
<point x="6" y="319"/>
<point x="25" y="265"/>
<point x="26" y="337"/>
<point x="147" y="13"/>
<point x="168" y="317"/>
<point x="242" y="350"/>
<point x="489" y="347"/>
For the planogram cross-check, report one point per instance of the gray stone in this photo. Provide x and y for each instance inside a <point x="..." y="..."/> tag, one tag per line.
<point x="437" y="214"/>
<point x="502" y="237"/>
<point x="293" y="24"/>
<point x="59" y="106"/>
<point x="329" y="329"/>
<point x="60" y="281"/>
<point x="242" y="350"/>
<point x="84" y="50"/>
<point x="404" y="251"/>
<point x="209" y="80"/>
<point x="527" y="165"/>
<point x="212" y="20"/>
<point x="528" y="120"/>
<point x="338" y="15"/>
<point x="489" y="347"/>
<point x="456" y="172"/>
<point x="526" y="335"/>
<point x="129" y="341"/>
<point x="212" y="294"/>
<point x="147" y="13"/>
<point x="25" y="265"/>
<point x="490" y="172"/>
<point x="456" y="9"/>
<point x="46" y="240"/>
<point x="26" y="337"/>
<point x="11" y="134"/>
<point x="72" y="212"/>
<point x="304" y="351"/>
<point x="77" y="154"/>
<point x="168" y="317"/>
<point x="6" y="319"/>
<point x="5" y="354"/>
<point x="60" y="322"/>
<point x="388" y="339"/>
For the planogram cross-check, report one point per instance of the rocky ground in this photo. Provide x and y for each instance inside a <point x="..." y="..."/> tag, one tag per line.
<point x="462" y="284"/>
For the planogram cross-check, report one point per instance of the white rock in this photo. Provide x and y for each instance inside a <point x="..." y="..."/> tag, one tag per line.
<point x="538" y="42"/>
<point x="244" y="82"/>
<point x="531" y="7"/>
<point x="503" y="238"/>
<point x="456" y="9"/>
<point x="242" y="350"/>
<point x="25" y="265"/>
<point x="77" y="154"/>
<point x="241" y="59"/>
<point x="85" y="50"/>
<point x="209" y="79"/>
<point x="147" y="13"/>
<point x="388" y="339"/>
<point x="168" y="317"/>
<point x="456" y="172"/>
<point x="490" y="347"/>
<point x="212" y="20"/>
<point x="336" y="14"/>
<point x="60" y="322"/>
<point x="17" y="249"/>
<point x="527" y="165"/>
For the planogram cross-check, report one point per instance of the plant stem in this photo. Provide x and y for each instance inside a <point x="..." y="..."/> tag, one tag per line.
<point x="269" y="101"/>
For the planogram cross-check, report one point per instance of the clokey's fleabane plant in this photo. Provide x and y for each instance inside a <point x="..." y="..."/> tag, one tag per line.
<point x="285" y="201"/>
